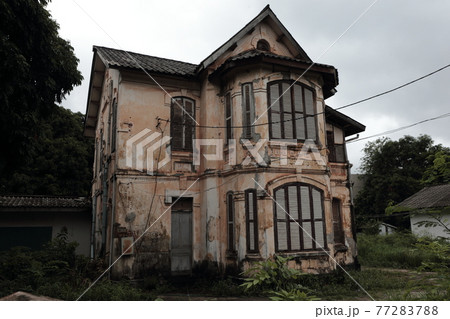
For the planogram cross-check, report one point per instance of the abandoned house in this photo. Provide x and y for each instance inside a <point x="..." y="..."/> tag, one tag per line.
<point x="190" y="158"/>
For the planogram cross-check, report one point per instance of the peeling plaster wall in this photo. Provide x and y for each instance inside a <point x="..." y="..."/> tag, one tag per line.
<point x="132" y="192"/>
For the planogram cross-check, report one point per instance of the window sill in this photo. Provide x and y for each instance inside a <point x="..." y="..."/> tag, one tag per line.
<point x="253" y="256"/>
<point x="231" y="254"/>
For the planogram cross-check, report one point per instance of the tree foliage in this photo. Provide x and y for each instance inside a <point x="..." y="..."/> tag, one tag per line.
<point x="60" y="163"/>
<point x="393" y="171"/>
<point x="439" y="171"/>
<point x="43" y="149"/>
<point x="37" y="69"/>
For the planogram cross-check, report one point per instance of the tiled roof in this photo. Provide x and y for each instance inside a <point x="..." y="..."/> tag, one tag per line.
<point x="429" y="197"/>
<point x="38" y="201"/>
<point x="126" y="59"/>
<point x="257" y="53"/>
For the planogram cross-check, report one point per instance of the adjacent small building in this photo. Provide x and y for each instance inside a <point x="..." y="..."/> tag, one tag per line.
<point x="32" y="221"/>
<point x="429" y="211"/>
<point x="222" y="163"/>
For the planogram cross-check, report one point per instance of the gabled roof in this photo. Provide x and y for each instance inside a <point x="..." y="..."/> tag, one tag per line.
<point x="283" y="36"/>
<point x="429" y="197"/>
<point x="41" y="201"/>
<point x="114" y="58"/>
<point x="349" y="125"/>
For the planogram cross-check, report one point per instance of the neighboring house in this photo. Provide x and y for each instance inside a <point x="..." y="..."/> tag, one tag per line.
<point x="429" y="205"/>
<point x="212" y="205"/>
<point x="32" y="221"/>
<point x="386" y="229"/>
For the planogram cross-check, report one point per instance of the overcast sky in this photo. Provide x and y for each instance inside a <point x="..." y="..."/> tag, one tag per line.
<point x="393" y="43"/>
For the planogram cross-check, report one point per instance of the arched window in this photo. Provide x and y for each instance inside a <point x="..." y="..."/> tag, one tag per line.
<point x="182" y="124"/>
<point x="299" y="218"/>
<point x="291" y="111"/>
<point x="263" y="45"/>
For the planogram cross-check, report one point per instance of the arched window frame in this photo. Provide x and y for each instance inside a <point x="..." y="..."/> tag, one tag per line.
<point x="286" y="219"/>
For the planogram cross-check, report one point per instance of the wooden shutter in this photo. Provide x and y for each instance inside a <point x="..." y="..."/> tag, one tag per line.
<point x="228" y="118"/>
<point x="230" y="222"/>
<point x="252" y="220"/>
<point x="247" y="101"/>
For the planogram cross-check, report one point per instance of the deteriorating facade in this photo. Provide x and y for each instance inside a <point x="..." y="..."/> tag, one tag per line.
<point x="233" y="160"/>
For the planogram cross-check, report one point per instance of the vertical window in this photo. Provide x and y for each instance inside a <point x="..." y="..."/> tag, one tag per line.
<point x="336" y="145"/>
<point x="248" y="110"/>
<point x="251" y="213"/>
<point x="337" y="222"/>
<point x="228" y="118"/>
<point x="299" y="205"/>
<point x="113" y="125"/>
<point x="230" y="221"/>
<point x="182" y="124"/>
<point x="291" y="111"/>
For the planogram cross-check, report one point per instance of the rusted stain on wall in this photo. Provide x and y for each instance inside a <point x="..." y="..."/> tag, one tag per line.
<point x="140" y="201"/>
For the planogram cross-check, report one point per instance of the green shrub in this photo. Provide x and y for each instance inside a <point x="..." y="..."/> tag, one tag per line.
<point x="397" y="250"/>
<point x="276" y="279"/>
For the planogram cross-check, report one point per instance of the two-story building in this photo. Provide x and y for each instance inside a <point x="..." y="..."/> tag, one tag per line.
<point x="219" y="164"/>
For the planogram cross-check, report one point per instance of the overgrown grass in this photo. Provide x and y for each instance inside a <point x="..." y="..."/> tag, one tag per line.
<point x="397" y="250"/>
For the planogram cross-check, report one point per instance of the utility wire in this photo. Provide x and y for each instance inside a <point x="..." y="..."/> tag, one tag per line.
<point x="400" y="128"/>
<point x="323" y="112"/>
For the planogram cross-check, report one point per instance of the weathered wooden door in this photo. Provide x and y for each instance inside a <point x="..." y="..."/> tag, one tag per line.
<point x="181" y="237"/>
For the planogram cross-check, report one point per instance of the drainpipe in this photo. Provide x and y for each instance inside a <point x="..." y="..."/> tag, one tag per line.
<point x="352" y="216"/>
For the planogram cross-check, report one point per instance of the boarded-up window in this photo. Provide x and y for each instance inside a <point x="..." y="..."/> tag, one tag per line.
<point x="248" y="110"/>
<point x="252" y="220"/>
<point x="182" y="124"/>
<point x="292" y="111"/>
<point x="228" y="118"/>
<point x="230" y="222"/>
<point x="337" y="222"/>
<point x="299" y="218"/>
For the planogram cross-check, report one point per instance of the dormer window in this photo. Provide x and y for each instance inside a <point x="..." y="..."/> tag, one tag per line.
<point x="263" y="45"/>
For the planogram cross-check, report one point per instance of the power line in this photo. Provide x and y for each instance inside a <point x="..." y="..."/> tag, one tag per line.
<point x="394" y="89"/>
<point x="401" y="128"/>
<point x="323" y="112"/>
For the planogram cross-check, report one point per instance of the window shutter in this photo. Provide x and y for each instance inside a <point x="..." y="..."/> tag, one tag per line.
<point x="292" y="116"/>
<point x="252" y="220"/>
<point x="247" y="100"/>
<point x="302" y="230"/>
<point x="228" y="118"/>
<point x="182" y="127"/>
<point x="230" y="222"/>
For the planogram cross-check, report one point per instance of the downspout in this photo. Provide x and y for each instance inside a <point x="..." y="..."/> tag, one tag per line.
<point x="352" y="210"/>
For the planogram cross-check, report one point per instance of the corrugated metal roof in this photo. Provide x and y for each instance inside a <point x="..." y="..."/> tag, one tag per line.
<point x="41" y="201"/>
<point x="429" y="197"/>
<point x="126" y="59"/>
